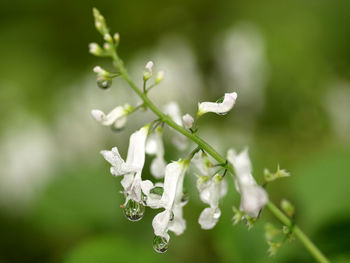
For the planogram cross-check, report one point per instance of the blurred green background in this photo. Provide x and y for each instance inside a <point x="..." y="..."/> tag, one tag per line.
<point x="289" y="62"/>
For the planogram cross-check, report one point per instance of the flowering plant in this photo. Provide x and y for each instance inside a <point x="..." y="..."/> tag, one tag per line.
<point x="212" y="168"/>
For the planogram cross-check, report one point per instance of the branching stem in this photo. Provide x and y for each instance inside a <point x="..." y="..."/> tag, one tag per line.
<point x="308" y="244"/>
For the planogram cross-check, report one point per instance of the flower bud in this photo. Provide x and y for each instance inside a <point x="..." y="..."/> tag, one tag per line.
<point x="95" y="49"/>
<point x="148" y="73"/>
<point x="108" y="38"/>
<point x="116" y="37"/>
<point x="287" y="207"/>
<point x="160" y="76"/>
<point x="187" y="120"/>
<point x="100" y="22"/>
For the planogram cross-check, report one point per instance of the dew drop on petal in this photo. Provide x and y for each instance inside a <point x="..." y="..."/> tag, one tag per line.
<point x="160" y="244"/>
<point x="134" y="211"/>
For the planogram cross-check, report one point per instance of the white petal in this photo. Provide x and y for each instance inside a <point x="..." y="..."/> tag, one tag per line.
<point x="173" y="172"/>
<point x="173" y="110"/>
<point x="127" y="181"/>
<point x="219" y="108"/>
<point x="178" y="224"/>
<point x="135" y="189"/>
<point x="209" y="217"/>
<point x="113" y="116"/>
<point x="187" y="120"/>
<point x="199" y="163"/>
<point x="180" y="141"/>
<point x="158" y="167"/>
<point x="254" y="198"/>
<point x="160" y="223"/>
<point x="151" y="144"/>
<point x="113" y="157"/>
<point x="155" y="145"/>
<point x="98" y="115"/>
<point x="136" y="150"/>
<point x="241" y="162"/>
<point x="120" y="123"/>
<point x="146" y="186"/>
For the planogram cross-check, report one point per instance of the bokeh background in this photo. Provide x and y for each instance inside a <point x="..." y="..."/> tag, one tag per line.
<point x="288" y="60"/>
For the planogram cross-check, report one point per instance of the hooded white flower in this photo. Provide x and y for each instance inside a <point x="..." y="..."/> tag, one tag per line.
<point x="254" y="197"/>
<point x="171" y="218"/>
<point x="117" y="117"/>
<point x="211" y="189"/>
<point x="173" y="110"/>
<point x="219" y="108"/>
<point x="154" y="146"/>
<point x="132" y="168"/>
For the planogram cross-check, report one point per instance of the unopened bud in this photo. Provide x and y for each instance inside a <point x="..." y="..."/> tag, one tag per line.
<point x="95" y="49"/>
<point x="108" y="38"/>
<point x="116" y="38"/>
<point x="287" y="207"/>
<point x="160" y="76"/>
<point x="148" y="73"/>
<point x="107" y="46"/>
<point x="187" y="120"/>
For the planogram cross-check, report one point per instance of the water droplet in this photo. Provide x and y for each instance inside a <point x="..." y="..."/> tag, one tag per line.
<point x="104" y="83"/>
<point x="222" y="113"/>
<point x="143" y="198"/>
<point x="160" y="244"/>
<point x="134" y="211"/>
<point x="220" y="100"/>
<point x="157" y="190"/>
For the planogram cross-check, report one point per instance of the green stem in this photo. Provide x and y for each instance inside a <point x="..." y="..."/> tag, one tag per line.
<point x="314" y="251"/>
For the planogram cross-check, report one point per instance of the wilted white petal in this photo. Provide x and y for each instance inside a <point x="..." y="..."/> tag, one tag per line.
<point x="220" y="108"/>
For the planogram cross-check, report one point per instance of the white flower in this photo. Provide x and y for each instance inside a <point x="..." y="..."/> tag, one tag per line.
<point x="132" y="167"/>
<point x="187" y="120"/>
<point x="220" y="108"/>
<point x="211" y="189"/>
<point x="117" y="117"/>
<point x="173" y="110"/>
<point x="171" y="218"/>
<point x="154" y="146"/>
<point x="254" y="197"/>
<point x="148" y="73"/>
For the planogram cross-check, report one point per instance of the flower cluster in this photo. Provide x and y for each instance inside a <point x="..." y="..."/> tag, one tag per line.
<point x="167" y="195"/>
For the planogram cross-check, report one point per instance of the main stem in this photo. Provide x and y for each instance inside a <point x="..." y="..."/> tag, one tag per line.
<point x="309" y="245"/>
